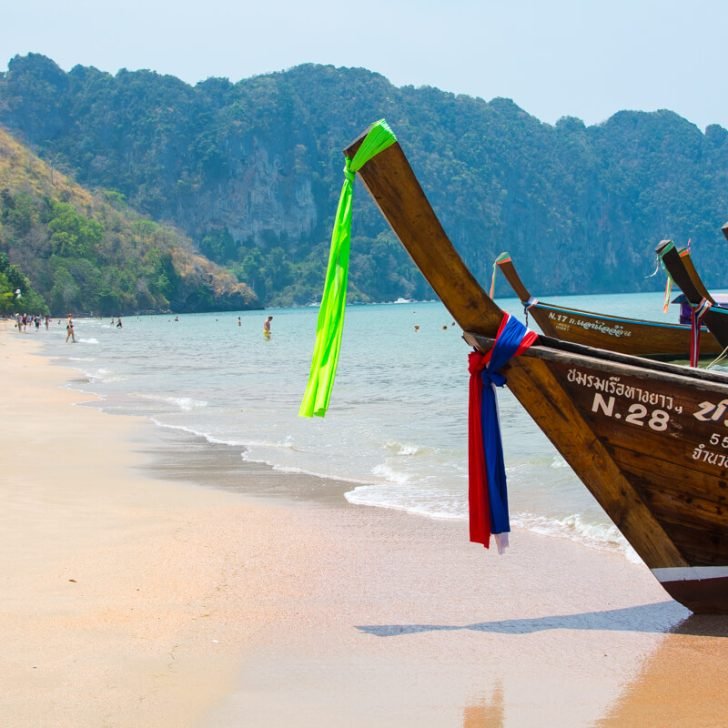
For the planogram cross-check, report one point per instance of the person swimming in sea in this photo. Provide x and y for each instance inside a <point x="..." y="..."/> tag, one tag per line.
<point x="70" y="333"/>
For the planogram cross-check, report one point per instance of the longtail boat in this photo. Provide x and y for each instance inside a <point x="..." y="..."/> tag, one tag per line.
<point x="707" y="311"/>
<point x="649" y="439"/>
<point x="662" y="341"/>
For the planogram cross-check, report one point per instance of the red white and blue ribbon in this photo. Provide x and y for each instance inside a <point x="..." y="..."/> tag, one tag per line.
<point x="487" y="492"/>
<point x="695" y="330"/>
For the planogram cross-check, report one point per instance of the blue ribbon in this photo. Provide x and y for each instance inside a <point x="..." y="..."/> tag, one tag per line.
<point x="503" y="350"/>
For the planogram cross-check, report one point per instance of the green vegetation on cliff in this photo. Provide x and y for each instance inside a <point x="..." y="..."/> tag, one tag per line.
<point x="69" y="250"/>
<point x="250" y="171"/>
<point x="16" y="292"/>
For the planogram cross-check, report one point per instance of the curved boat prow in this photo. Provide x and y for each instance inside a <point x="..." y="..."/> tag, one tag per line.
<point x="514" y="280"/>
<point x="395" y="189"/>
<point x="682" y="271"/>
<point x="695" y="276"/>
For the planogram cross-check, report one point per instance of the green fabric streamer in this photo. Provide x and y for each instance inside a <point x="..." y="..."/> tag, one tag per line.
<point x="330" y="325"/>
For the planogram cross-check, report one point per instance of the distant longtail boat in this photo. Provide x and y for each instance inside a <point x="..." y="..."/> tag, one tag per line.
<point x="708" y="311"/>
<point x="653" y="339"/>
<point x="648" y="439"/>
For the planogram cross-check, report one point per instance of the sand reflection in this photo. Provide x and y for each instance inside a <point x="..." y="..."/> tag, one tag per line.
<point x="488" y="713"/>
<point x="682" y="682"/>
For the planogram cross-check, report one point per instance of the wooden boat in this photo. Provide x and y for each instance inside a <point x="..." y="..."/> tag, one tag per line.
<point x="662" y="341"/>
<point x="649" y="439"/>
<point x="681" y="269"/>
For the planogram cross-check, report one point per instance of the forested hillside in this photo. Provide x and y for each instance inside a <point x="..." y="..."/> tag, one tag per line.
<point x="66" y="249"/>
<point x="251" y="171"/>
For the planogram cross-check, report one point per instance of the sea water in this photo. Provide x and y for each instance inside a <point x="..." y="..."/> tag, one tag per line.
<point x="396" y="430"/>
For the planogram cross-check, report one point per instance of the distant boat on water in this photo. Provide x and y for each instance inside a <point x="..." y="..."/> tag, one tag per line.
<point x="709" y="310"/>
<point x="663" y="341"/>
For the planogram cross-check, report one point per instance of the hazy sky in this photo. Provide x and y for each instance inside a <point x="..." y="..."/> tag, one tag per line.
<point x="553" y="58"/>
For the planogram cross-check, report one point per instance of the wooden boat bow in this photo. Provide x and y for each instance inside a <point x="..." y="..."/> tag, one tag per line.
<point x="398" y="194"/>
<point x="649" y="440"/>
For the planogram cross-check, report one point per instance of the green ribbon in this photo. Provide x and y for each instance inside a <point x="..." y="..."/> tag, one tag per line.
<point x="330" y="325"/>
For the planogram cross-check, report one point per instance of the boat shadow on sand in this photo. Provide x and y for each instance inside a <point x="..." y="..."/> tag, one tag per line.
<point x="663" y="617"/>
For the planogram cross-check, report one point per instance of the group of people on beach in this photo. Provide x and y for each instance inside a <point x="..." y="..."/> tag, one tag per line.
<point x="22" y="321"/>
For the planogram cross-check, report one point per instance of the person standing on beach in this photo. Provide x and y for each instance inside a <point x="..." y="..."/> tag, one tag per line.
<point x="69" y="330"/>
<point x="266" y="327"/>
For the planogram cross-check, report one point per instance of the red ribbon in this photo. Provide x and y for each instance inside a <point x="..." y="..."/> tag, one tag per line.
<point x="696" y="318"/>
<point x="478" y="493"/>
<point x="478" y="501"/>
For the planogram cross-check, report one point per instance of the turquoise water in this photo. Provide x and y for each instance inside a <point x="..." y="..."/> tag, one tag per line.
<point x="396" y="429"/>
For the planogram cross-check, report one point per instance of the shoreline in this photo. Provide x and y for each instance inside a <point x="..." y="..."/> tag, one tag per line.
<point x="139" y="592"/>
<point x="176" y="455"/>
<point x="118" y="588"/>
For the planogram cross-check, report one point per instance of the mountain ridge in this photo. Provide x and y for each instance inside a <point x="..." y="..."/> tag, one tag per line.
<point x="250" y="172"/>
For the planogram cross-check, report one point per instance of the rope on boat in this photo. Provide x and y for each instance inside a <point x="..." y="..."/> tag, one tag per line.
<point x="526" y="306"/>
<point x="657" y="268"/>
<point x="718" y="359"/>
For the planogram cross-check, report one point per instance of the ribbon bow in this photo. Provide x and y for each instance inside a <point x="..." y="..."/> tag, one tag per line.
<point x="487" y="490"/>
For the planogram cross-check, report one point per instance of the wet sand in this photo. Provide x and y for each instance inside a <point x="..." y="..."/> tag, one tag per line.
<point x="151" y="579"/>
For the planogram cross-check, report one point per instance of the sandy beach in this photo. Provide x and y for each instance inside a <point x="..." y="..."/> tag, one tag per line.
<point x="151" y="579"/>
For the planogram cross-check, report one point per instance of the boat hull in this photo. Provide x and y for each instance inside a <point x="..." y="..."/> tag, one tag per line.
<point x="702" y="594"/>
<point x="666" y="342"/>
<point x="651" y="446"/>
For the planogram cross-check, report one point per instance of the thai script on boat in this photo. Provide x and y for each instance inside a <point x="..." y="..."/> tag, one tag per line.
<point x="614" y="385"/>
<point x="617" y="330"/>
<point x="711" y="412"/>
<point x="709" y="456"/>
